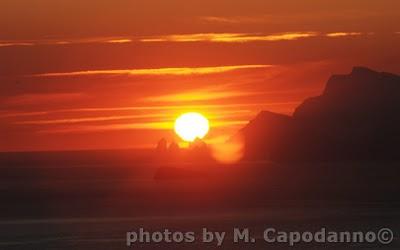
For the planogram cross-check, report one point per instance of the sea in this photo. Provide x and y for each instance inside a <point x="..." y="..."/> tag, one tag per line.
<point x="136" y="199"/>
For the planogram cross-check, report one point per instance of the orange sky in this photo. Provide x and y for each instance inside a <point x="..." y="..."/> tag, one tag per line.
<point x="115" y="74"/>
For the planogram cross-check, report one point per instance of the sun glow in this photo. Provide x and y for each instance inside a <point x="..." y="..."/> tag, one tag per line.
<point x="190" y="126"/>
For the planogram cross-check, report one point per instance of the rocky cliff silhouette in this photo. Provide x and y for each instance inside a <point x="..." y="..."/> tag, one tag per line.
<point x="356" y="118"/>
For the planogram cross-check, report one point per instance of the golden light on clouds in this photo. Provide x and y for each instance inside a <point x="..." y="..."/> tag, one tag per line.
<point x="198" y="96"/>
<point x="341" y="34"/>
<point x="27" y="99"/>
<point x="158" y="71"/>
<point x="117" y="76"/>
<point x="229" y="37"/>
<point x="89" y="40"/>
<point x="122" y="40"/>
<point x="235" y="20"/>
<point x="110" y="127"/>
<point x="195" y="37"/>
<point x="165" y="125"/>
<point x="86" y="119"/>
<point x="14" y="43"/>
<point x="224" y="107"/>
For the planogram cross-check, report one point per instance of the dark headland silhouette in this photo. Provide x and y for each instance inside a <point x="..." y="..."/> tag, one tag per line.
<point x="341" y="145"/>
<point x="356" y="118"/>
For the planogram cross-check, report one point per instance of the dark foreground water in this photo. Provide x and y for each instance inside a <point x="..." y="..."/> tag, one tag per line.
<point x="91" y="200"/>
<point x="110" y="233"/>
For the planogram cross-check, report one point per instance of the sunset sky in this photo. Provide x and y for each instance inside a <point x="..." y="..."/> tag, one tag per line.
<point x="116" y="74"/>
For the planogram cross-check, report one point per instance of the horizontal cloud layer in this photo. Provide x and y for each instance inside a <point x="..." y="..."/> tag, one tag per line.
<point x="194" y="37"/>
<point x="198" y="96"/>
<point x="229" y="37"/>
<point x="159" y="71"/>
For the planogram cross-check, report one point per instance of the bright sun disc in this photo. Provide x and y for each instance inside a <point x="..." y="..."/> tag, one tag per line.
<point x="190" y="126"/>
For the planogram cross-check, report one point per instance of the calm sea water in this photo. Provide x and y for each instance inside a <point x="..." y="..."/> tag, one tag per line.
<point x="90" y="200"/>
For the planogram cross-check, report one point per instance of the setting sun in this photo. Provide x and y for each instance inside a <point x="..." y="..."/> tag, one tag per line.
<point x="190" y="126"/>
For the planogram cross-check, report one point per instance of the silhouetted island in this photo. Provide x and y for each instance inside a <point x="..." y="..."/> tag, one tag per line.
<point x="356" y="118"/>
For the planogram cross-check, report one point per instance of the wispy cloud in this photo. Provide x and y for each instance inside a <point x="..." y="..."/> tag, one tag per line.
<point x="208" y="107"/>
<point x="229" y="37"/>
<point x="196" y="37"/>
<point x="159" y="71"/>
<point x="341" y="34"/>
<point x="109" y="127"/>
<point x="9" y="43"/>
<point x="85" y="119"/>
<point x="5" y="114"/>
<point x="132" y="126"/>
<point x="27" y="99"/>
<point x="15" y="43"/>
<point x="121" y="40"/>
<point x="246" y="37"/>
<point x="159" y="116"/>
<point x="199" y="95"/>
<point x="234" y="20"/>
<point x="320" y="16"/>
